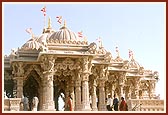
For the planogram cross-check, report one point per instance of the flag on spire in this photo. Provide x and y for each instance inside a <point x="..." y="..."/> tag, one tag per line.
<point x="117" y="49"/>
<point x="100" y="42"/>
<point x="130" y="53"/>
<point x="80" y="34"/>
<point x="59" y="19"/>
<point x="44" y="10"/>
<point x="98" y="39"/>
<point x="29" y="30"/>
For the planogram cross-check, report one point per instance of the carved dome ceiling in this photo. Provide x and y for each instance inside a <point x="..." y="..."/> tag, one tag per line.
<point x="64" y="34"/>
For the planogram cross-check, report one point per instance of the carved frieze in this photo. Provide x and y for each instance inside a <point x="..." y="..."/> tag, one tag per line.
<point x="48" y="62"/>
<point x="68" y="63"/>
<point x="18" y="69"/>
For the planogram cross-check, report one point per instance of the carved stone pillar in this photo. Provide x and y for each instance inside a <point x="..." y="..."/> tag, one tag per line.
<point x="136" y="87"/>
<point x="85" y="92"/>
<point x="41" y="99"/>
<point x="78" y="93"/>
<point x="49" y="101"/>
<point x="151" y="89"/>
<point x="72" y="94"/>
<point x="121" y="78"/>
<point x="18" y="72"/>
<point x="47" y="64"/>
<point x="19" y="87"/>
<point x="106" y="90"/>
<point x="112" y="90"/>
<point x="94" y="103"/>
<point x="102" y="104"/>
<point x="102" y="78"/>
<point x="121" y="91"/>
<point x="86" y="69"/>
<point x="66" y="94"/>
<point x="44" y="94"/>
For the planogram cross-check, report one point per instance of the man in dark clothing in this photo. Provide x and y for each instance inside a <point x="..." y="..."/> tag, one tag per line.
<point x="115" y="103"/>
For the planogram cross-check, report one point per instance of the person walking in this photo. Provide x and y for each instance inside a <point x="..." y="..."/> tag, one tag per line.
<point x="35" y="103"/>
<point x="115" y="103"/>
<point x="26" y="103"/>
<point x="69" y="104"/>
<point x="123" y="105"/>
<point x="109" y="103"/>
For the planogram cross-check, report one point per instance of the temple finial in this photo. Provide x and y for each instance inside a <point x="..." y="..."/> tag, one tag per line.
<point x="49" y="22"/>
<point x="64" y="23"/>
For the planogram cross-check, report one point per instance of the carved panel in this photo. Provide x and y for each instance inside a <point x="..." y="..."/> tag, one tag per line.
<point x="92" y="48"/>
<point x="31" y="68"/>
<point x="68" y="63"/>
<point x="48" y="62"/>
<point x="103" y="72"/>
<point x="18" y="68"/>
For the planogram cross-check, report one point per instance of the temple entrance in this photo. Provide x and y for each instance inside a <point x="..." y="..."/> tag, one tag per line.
<point x="31" y="89"/>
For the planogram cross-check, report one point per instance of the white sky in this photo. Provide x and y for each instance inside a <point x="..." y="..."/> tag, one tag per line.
<point x="140" y="27"/>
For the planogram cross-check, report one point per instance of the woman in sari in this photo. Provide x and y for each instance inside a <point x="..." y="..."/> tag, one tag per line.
<point x="69" y="104"/>
<point x="123" y="105"/>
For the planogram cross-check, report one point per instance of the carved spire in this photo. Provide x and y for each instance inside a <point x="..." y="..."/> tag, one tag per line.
<point x="49" y="22"/>
<point x="64" y="23"/>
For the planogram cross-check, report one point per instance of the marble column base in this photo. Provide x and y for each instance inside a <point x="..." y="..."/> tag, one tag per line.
<point x="86" y="108"/>
<point x="49" y="106"/>
<point x="102" y="107"/>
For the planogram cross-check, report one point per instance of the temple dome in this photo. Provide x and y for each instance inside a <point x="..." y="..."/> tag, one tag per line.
<point x="43" y="38"/>
<point x="133" y="64"/>
<point x="64" y="34"/>
<point x="31" y="44"/>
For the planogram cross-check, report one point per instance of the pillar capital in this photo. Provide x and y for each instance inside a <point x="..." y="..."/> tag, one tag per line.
<point x="18" y="69"/>
<point x="48" y="63"/>
<point x="85" y="76"/>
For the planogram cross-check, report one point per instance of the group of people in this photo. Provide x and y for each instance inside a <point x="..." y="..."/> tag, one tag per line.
<point x="24" y="104"/>
<point x="111" y="104"/>
<point x="114" y="105"/>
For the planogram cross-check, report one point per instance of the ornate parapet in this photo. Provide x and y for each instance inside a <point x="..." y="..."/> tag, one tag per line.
<point x="12" y="104"/>
<point x="6" y="105"/>
<point x="145" y="105"/>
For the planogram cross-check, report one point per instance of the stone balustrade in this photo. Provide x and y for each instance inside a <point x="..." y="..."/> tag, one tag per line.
<point x="145" y="105"/>
<point x="12" y="104"/>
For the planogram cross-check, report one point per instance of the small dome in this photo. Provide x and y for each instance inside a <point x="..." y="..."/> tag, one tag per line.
<point x="64" y="34"/>
<point x="31" y="44"/>
<point x="134" y="64"/>
<point x="43" y="38"/>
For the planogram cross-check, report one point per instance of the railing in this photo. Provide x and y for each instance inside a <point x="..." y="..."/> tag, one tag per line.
<point x="145" y="105"/>
<point x="137" y="106"/>
<point x="12" y="104"/>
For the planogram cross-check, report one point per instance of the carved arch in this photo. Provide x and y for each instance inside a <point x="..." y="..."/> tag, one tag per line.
<point x="31" y="68"/>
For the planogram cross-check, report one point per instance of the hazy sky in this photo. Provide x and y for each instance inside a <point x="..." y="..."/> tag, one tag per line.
<point x="140" y="27"/>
